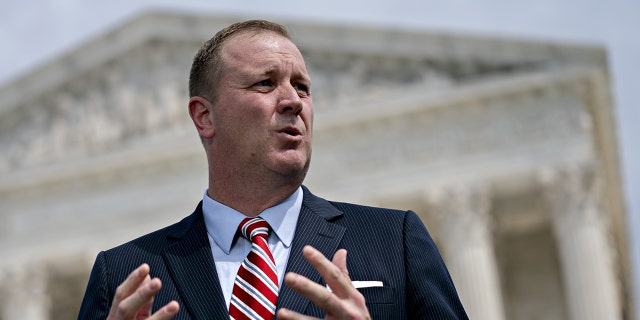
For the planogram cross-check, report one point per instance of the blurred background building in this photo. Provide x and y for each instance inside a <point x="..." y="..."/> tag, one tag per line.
<point x="506" y="148"/>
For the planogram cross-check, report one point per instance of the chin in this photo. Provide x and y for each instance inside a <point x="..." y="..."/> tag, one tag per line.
<point x="298" y="169"/>
<point x="294" y="169"/>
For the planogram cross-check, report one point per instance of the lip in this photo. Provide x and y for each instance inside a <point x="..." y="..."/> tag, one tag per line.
<point x="291" y="131"/>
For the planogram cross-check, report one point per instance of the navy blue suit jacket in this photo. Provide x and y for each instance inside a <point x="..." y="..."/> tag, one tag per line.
<point x="383" y="245"/>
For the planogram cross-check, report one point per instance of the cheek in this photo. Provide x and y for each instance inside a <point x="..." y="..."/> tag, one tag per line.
<point x="308" y="111"/>
<point x="249" y="117"/>
<point x="246" y="117"/>
<point x="308" y="120"/>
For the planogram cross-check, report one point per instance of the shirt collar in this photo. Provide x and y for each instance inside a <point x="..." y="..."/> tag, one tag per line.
<point x="222" y="221"/>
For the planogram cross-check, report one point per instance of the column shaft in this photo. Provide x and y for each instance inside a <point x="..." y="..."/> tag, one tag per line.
<point x="581" y="230"/>
<point x="24" y="294"/>
<point x="468" y="249"/>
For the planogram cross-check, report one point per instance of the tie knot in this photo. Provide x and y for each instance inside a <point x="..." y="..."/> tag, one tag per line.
<point x="251" y="227"/>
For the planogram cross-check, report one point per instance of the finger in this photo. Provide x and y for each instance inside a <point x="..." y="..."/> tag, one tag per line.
<point x="340" y="260"/>
<point x="337" y="280"/>
<point x="167" y="312"/>
<point x="145" y="309"/>
<point x="315" y="292"/>
<point x="142" y="297"/>
<point x="129" y="285"/>
<point x="286" y="314"/>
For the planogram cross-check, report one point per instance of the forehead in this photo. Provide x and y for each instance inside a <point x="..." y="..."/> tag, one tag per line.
<point x="251" y="47"/>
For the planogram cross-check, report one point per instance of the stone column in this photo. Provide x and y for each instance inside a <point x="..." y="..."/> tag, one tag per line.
<point x="24" y="293"/>
<point x="580" y="228"/>
<point x="468" y="248"/>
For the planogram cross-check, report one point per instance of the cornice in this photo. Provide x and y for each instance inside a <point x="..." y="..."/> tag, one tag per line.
<point x="445" y="48"/>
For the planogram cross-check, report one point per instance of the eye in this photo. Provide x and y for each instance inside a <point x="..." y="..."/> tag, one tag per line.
<point x="266" y="83"/>
<point x="302" y="89"/>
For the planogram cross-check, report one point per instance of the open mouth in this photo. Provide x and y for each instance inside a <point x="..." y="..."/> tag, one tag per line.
<point x="291" y="131"/>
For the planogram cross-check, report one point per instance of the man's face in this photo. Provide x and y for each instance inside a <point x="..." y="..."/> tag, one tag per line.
<point x="263" y="113"/>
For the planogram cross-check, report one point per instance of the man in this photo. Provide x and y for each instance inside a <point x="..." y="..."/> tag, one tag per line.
<point x="251" y="105"/>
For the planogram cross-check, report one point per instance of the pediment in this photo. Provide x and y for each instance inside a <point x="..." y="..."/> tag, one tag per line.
<point x="128" y="87"/>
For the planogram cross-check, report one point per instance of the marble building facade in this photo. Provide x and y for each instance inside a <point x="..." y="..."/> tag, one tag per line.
<point x="506" y="148"/>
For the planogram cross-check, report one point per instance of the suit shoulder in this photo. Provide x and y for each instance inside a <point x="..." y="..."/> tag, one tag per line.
<point x="370" y="212"/>
<point x="155" y="240"/>
<point x="352" y="207"/>
<point x="357" y="212"/>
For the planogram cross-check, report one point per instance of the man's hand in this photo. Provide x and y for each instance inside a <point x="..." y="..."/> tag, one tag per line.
<point x="134" y="298"/>
<point x="342" y="302"/>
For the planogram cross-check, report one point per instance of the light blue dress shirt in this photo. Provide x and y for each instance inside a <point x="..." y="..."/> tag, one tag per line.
<point x="222" y="222"/>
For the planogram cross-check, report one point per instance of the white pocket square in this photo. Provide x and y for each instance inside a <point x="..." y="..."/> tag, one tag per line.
<point x="363" y="284"/>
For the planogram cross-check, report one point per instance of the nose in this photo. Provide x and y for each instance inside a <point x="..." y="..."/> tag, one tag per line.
<point x="289" y="101"/>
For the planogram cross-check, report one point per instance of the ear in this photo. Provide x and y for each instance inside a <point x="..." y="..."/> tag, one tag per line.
<point x="200" y="110"/>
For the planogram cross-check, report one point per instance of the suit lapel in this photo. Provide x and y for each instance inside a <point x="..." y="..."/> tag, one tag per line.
<point x="190" y="263"/>
<point x="316" y="228"/>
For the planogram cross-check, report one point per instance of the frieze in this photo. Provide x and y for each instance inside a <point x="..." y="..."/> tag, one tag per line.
<point x="445" y="134"/>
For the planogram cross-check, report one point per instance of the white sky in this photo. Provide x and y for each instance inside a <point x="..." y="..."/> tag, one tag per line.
<point x="31" y="32"/>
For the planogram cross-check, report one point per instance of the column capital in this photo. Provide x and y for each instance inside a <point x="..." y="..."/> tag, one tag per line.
<point x="459" y="198"/>
<point x="463" y="210"/>
<point x="573" y="194"/>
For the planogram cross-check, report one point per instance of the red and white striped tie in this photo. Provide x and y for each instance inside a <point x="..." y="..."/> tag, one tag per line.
<point x="255" y="290"/>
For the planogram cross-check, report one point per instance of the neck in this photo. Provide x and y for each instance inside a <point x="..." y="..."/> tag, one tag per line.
<point x="250" y="197"/>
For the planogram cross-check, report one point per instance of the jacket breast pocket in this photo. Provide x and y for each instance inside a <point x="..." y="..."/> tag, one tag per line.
<point x="382" y="302"/>
<point x="375" y="295"/>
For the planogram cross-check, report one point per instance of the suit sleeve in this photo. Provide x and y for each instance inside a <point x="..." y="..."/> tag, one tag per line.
<point x="96" y="301"/>
<point x="430" y="290"/>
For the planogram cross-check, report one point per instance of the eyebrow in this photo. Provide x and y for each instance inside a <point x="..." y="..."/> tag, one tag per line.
<point x="269" y="71"/>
